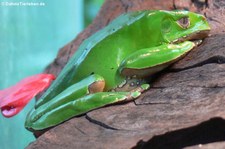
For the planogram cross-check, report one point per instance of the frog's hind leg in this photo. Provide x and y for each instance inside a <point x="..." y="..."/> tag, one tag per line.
<point x="78" y="107"/>
<point x="92" y="84"/>
<point x="67" y="105"/>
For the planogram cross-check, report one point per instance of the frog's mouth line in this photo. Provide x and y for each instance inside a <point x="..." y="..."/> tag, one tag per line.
<point x="195" y="37"/>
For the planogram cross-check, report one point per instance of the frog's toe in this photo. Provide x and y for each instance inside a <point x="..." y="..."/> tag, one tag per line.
<point x="142" y="88"/>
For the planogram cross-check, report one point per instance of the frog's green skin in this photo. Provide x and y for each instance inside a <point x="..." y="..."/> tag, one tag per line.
<point x="112" y="64"/>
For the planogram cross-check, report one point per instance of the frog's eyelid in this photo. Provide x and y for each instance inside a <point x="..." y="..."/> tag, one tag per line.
<point x="184" y="22"/>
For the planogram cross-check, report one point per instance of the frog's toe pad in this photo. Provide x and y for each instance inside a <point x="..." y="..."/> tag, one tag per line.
<point x="145" y="87"/>
<point x="135" y="94"/>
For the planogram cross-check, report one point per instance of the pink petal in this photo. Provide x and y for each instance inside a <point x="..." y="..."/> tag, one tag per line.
<point x="15" y="98"/>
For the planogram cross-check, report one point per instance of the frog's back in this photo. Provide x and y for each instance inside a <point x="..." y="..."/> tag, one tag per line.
<point x="115" y="26"/>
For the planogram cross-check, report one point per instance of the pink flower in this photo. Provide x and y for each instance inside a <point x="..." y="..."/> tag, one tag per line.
<point x="15" y="98"/>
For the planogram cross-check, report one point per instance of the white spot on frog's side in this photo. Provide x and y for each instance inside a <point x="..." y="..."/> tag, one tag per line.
<point x="138" y="83"/>
<point x="175" y="40"/>
<point x="132" y="84"/>
<point x="128" y="84"/>
<point x="128" y="78"/>
<point x="134" y="76"/>
<point x="122" y="84"/>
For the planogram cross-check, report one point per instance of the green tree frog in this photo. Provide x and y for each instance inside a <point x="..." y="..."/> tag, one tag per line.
<point x="113" y="64"/>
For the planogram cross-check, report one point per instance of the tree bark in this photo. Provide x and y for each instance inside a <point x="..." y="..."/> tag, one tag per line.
<point x="183" y="108"/>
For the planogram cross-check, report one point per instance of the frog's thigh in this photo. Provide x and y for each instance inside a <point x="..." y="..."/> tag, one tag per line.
<point x="80" y="106"/>
<point x="92" y="84"/>
<point x="151" y="60"/>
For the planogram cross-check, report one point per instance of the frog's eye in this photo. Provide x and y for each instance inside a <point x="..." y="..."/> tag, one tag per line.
<point x="184" y="22"/>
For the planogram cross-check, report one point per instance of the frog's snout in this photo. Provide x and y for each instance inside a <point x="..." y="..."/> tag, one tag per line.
<point x="198" y="35"/>
<point x="194" y="37"/>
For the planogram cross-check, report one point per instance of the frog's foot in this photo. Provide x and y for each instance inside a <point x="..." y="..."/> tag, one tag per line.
<point x="146" y="62"/>
<point x="40" y="118"/>
<point x="142" y="88"/>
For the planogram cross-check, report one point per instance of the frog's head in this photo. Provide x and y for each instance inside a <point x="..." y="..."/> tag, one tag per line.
<point x="178" y="26"/>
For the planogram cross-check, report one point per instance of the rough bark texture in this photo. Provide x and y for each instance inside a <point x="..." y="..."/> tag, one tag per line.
<point x="183" y="109"/>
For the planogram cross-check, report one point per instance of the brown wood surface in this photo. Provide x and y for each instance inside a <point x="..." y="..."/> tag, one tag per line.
<point x="183" y="109"/>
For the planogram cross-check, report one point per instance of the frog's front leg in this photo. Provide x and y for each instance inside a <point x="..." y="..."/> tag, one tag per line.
<point x="78" y="99"/>
<point x="146" y="62"/>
